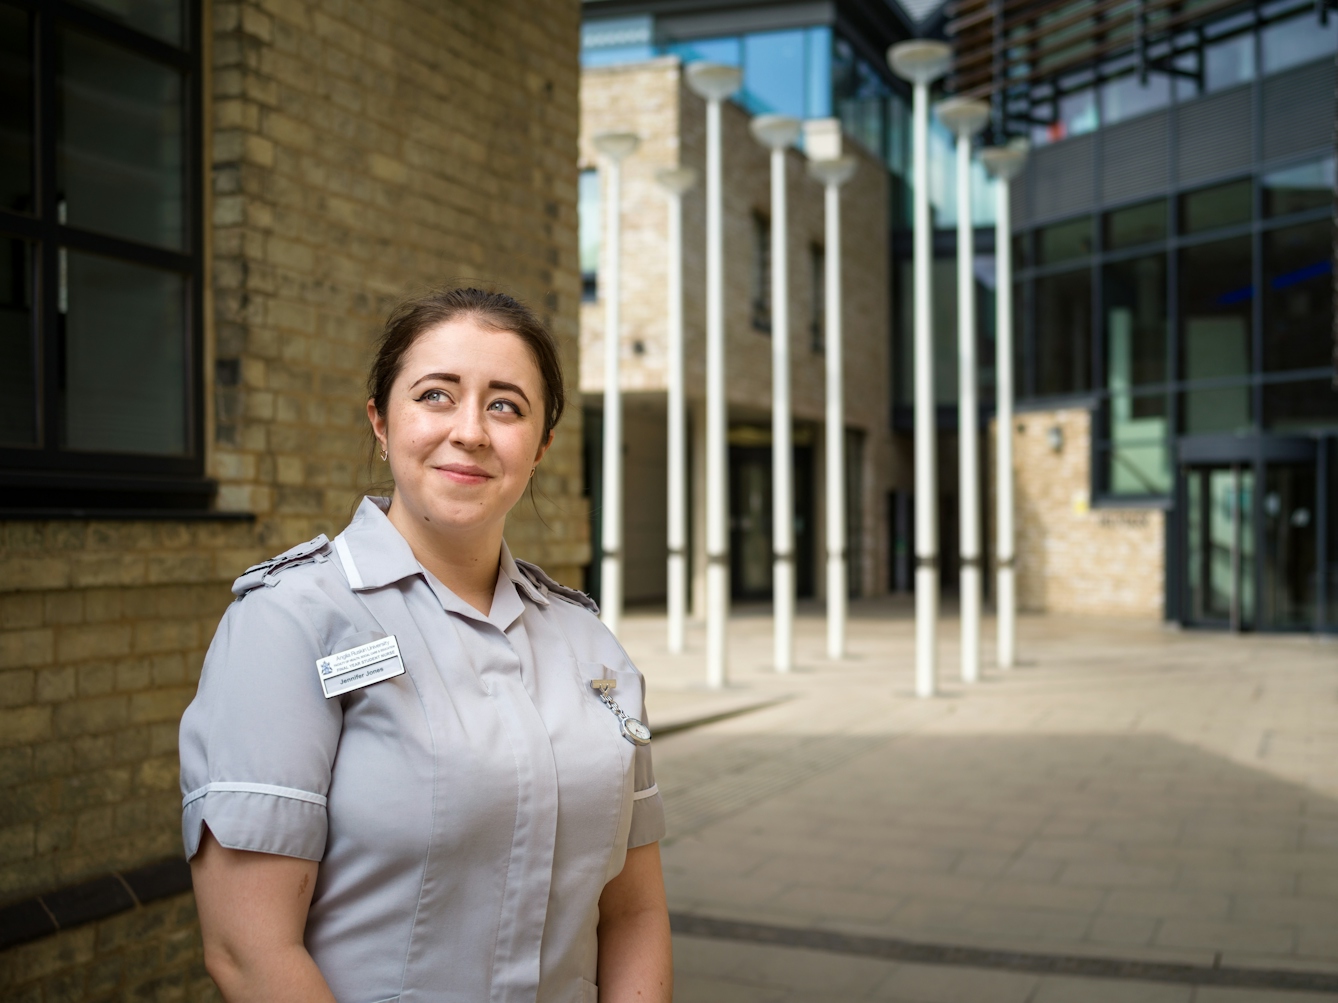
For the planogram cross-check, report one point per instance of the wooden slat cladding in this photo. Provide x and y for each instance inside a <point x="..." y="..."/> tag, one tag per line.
<point x="1015" y="43"/>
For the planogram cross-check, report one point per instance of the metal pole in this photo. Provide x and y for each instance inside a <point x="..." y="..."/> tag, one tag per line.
<point x="611" y="515"/>
<point x="782" y="452"/>
<point x="926" y="459"/>
<point x="717" y="417"/>
<point x="1006" y="599"/>
<point x="968" y="445"/>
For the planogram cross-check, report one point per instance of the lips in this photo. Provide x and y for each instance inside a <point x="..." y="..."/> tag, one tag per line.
<point x="464" y="473"/>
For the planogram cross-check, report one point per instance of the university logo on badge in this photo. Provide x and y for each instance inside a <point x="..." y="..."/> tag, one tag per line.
<point x="325" y="667"/>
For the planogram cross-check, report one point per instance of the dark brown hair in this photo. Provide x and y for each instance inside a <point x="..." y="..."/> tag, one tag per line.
<point x="494" y="310"/>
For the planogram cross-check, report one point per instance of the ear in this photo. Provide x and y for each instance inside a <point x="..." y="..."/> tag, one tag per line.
<point x="378" y="423"/>
<point x="543" y="447"/>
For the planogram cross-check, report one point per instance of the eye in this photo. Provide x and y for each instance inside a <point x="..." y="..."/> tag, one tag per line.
<point x="504" y="407"/>
<point x="435" y="397"/>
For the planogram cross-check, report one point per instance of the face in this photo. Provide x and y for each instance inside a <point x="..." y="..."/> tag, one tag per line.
<point x="463" y="428"/>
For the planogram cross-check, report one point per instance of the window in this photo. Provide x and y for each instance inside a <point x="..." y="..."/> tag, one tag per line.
<point x="1222" y="205"/>
<point x="1127" y="96"/>
<point x="1064" y="241"/>
<point x="1297" y="189"/>
<point x="1215" y="303"/>
<point x="1064" y="333"/>
<point x="1134" y="297"/>
<point x="1138" y="224"/>
<point x="1298" y="297"/>
<point x="100" y="251"/>
<point x="590" y="217"/>
<point x="761" y="298"/>
<point x="1297" y="40"/>
<point x="817" y="315"/>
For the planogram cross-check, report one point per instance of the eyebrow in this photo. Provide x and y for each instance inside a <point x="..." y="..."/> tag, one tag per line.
<point x="455" y="378"/>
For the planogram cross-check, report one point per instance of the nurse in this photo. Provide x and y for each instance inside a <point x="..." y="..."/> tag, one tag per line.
<point x="415" y="768"/>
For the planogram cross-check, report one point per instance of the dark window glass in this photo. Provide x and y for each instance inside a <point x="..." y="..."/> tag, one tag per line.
<point x="1137" y="458"/>
<point x="1298" y="297"/>
<point x="589" y="219"/>
<point x="1306" y="404"/>
<point x="18" y="373"/>
<point x="1215" y="296"/>
<point x="125" y="377"/>
<point x="1064" y="333"/>
<point x="1021" y="251"/>
<point x="1296" y="189"/>
<point x="761" y="274"/>
<point x="1222" y="205"/>
<point x="120" y="159"/>
<point x="1287" y="599"/>
<point x="1331" y="618"/>
<point x="1217" y="409"/>
<point x="1297" y="40"/>
<point x="1134" y="296"/>
<point x="16" y="111"/>
<point x="159" y="18"/>
<point x="1138" y="224"/>
<point x="1064" y="241"/>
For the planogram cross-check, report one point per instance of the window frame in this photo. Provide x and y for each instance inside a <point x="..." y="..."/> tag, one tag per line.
<point x="46" y="477"/>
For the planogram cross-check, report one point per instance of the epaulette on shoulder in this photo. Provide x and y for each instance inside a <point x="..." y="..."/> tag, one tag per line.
<point x="264" y="573"/>
<point x="540" y="577"/>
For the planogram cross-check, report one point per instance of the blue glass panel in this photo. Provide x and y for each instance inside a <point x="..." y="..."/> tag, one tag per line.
<point x="728" y="51"/>
<point x="773" y="73"/>
<point x="1127" y="96"/>
<point x="1297" y="40"/>
<point x="616" y="55"/>
<point x="818" y="68"/>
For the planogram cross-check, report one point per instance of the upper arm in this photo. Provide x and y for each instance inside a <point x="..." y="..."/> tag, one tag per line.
<point x="259" y="740"/>
<point x="250" y="902"/>
<point x="638" y="887"/>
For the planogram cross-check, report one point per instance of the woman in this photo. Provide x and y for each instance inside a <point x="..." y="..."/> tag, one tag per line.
<point x="399" y="782"/>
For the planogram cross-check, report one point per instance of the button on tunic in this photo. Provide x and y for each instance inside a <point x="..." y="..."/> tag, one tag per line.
<point x="468" y="813"/>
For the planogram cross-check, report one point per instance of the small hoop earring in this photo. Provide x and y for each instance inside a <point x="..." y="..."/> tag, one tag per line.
<point x="383" y="454"/>
<point x="532" y="470"/>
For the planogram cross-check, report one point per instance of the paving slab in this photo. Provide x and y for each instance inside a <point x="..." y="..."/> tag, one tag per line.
<point x="1129" y="793"/>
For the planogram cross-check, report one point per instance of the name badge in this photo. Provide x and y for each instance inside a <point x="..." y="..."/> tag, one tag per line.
<point x="345" y="671"/>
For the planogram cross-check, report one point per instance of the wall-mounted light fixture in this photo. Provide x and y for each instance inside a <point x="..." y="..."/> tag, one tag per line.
<point x="1054" y="435"/>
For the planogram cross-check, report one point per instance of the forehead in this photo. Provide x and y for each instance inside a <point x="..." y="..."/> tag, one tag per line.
<point x="467" y="348"/>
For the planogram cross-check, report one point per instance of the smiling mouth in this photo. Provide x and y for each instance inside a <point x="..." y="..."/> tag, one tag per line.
<point x="462" y="474"/>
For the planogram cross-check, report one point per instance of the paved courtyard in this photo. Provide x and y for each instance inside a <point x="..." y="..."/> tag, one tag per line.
<point x="1134" y="813"/>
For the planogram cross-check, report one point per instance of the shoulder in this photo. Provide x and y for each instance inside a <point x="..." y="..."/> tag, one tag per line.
<point x="267" y="574"/>
<point x="546" y="584"/>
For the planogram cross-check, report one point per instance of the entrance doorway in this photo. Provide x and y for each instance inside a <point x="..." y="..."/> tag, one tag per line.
<point x="750" y="552"/>
<point x="1251" y="526"/>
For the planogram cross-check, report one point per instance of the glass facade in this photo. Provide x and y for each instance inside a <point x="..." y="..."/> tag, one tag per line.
<point x="100" y="249"/>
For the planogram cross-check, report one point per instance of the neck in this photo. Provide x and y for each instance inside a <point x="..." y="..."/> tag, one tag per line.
<point x="466" y="562"/>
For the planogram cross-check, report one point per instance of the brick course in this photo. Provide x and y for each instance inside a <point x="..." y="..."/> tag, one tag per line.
<point x="359" y="152"/>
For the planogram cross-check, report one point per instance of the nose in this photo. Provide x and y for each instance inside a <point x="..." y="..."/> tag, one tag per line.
<point x="469" y="431"/>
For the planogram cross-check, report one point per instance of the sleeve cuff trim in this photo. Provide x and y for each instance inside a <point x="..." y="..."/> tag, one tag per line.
<point x="279" y="792"/>
<point x="650" y="791"/>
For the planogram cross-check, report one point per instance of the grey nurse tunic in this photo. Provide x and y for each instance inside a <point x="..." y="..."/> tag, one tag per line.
<point x="466" y="813"/>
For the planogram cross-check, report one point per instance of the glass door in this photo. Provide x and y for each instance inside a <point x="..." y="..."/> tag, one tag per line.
<point x="1290" y="569"/>
<point x="1219" y="546"/>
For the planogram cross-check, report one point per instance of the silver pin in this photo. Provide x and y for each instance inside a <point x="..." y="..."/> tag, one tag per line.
<point x="633" y="730"/>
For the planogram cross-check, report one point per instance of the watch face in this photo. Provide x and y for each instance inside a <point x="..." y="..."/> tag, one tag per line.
<point x="636" y="732"/>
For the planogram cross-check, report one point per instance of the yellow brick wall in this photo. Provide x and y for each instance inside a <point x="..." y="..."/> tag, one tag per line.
<point x="358" y="151"/>
<point x="1072" y="557"/>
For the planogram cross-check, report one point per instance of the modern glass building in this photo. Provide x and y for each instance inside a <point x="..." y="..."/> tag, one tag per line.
<point x="1173" y="249"/>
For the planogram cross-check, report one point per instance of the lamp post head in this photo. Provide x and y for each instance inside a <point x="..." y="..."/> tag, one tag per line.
<point x="775" y="132"/>
<point x="1005" y="162"/>
<point x="676" y="180"/>
<point x="964" y="117"/>
<point x="920" y="61"/>
<point x="823" y="138"/>
<point x="834" y="173"/>
<point x="617" y="145"/>
<point x="713" y="81"/>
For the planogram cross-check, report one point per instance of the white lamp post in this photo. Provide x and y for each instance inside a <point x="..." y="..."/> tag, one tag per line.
<point x="1005" y="163"/>
<point x="964" y="118"/>
<point x="832" y="174"/>
<point x="923" y="62"/>
<point x="615" y="146"/>
<point x="676" y="181"/>
<point x="778" y="133"/>
<point x="715" y="83"/>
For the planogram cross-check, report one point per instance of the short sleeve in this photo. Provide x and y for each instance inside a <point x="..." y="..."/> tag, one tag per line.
<point x="647" y="805"/>
<point x="258" y="742"/>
